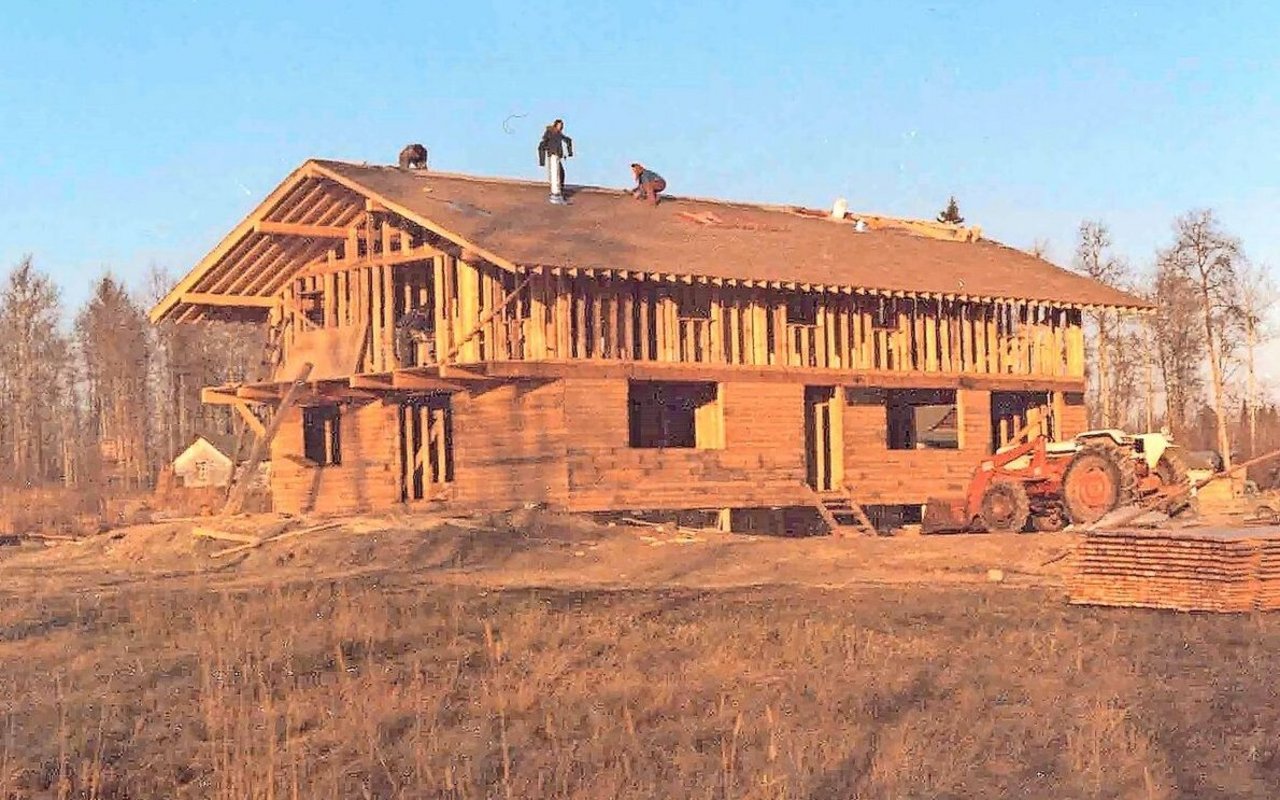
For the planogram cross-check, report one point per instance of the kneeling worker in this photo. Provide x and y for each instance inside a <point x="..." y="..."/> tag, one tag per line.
<point x="648" y="184"/>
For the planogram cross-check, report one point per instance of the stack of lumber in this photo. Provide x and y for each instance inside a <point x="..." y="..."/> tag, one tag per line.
<point x="1269" y="574"/>
<point x="1201" y="569"/>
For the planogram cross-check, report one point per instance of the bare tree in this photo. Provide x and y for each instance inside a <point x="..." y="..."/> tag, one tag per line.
<point x="33" y="355"/>
<point x="1257" y="295"/>
<point x="1094" y="257"/>
<point x="1209" y="259"/>
<point x="1178" y="345"/>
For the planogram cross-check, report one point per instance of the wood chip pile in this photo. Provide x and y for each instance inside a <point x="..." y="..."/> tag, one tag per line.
<point x="1201" y="569"/>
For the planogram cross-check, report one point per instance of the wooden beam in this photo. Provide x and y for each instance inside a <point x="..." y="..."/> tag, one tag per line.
<point x="298" y="229"/>
<point x="250" y="419"/>
<point x="233" y="300"/>
<point x="219" y="396"/>
<point x="454" y="373"/>
<point x="413" y="382"/>
<point x="379" y="381"/>
<point x="240" y="489"/>
<point x="258" y="394"/>
<point x="814" y="376"/>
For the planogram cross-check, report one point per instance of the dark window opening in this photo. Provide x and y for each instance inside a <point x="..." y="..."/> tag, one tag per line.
<point x="802" y="310"/>
<point x="1017" y="417"/>
<point x="674" y="415"/>
<point x="922" y="419"/>
<point x="312" y="303"/>
<point x="322" y="435"/>
<point x="693" y="305"/>
<point x="884" y="315"/>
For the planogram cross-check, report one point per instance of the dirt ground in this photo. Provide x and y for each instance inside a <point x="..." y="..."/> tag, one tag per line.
<point x="523" y="550"/>
<point x="416" y="656"/>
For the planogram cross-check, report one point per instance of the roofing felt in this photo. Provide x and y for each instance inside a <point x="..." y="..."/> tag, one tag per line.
<point x="608" y="229"/>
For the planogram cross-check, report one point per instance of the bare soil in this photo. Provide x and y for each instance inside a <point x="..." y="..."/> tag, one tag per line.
<point x="405" y="656"/>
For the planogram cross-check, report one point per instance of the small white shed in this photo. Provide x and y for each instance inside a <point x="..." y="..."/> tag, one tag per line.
<point x="208" y="461"/>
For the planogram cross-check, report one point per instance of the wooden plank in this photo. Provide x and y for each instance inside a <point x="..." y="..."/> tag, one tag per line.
<point x="385" y="342"/>
<point x="230" y="551"/>
<point x="296" y="229"/>
<point x="228" y="300"/>
<point x="944" y="320"/>
<point x="224" y="536"/>
<point x="629" y="343"/>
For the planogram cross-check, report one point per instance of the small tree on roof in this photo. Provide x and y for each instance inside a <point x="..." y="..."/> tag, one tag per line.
<point x="951" y="214"/>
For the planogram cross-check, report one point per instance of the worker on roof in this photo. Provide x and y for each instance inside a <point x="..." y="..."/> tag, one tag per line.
<point x="648" y="184"/>
<point x="553" y="148"/>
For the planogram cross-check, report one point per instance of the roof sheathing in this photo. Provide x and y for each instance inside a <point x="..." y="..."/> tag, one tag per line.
<point x="509" y="223"/>
<point x="605" y="230"/>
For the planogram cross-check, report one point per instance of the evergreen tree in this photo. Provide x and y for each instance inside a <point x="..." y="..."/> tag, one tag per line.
<point x="951" y="214"/>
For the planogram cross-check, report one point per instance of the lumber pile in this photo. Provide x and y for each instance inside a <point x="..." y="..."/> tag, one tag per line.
<point x="1202" y="569"/>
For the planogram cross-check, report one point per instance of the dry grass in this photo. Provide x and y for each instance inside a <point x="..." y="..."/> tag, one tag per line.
<point x="354" y="689"/>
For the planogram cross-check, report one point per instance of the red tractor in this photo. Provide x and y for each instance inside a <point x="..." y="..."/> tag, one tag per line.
<point x="1049" y="484"/>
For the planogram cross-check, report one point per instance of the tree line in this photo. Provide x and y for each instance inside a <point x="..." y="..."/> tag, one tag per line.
<point x="107" y="401"/>
<point x="1191" y="365"/>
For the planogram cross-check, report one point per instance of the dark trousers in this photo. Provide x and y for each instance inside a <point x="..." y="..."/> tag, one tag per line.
<point x="652" y="188"/>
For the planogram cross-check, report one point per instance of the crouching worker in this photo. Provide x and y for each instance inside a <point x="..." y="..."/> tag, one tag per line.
<point x="648" y="184"/>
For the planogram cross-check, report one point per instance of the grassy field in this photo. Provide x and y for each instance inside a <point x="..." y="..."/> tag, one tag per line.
<point x="412" y="657"/>
<point x="358" y="688"/>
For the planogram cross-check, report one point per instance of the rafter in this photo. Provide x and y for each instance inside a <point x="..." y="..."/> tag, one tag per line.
<point x="242" y="300"/>
<point x="298" y="229"/>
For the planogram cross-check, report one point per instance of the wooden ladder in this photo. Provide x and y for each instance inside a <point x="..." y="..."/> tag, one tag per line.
<point x="843" y="515"/>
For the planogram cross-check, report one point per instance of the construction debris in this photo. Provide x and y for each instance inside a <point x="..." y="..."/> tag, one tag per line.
<point x="259" y="542"/>
<point x="225" y="536"/>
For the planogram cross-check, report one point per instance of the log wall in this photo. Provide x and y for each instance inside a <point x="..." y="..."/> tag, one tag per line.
<point x="509" y="444"/>
<point x="367" y="478"/>
<point x="565" y="443"/>
<point x="761" y="462"/>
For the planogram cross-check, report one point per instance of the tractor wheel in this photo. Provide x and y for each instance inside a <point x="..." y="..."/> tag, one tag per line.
<point x="1171" y="469"/>
<point x="1093" y="484"/>
<point x="1051" y="520"/>
<point x="1005" y="508"/>
<point x="1125" y="462"/>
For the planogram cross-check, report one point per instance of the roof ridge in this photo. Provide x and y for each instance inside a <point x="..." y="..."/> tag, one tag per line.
<point x="787" y="208"/>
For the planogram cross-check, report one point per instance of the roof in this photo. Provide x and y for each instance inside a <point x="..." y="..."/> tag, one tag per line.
<point x="224" y="443"/>
<point x="511" y="223"/>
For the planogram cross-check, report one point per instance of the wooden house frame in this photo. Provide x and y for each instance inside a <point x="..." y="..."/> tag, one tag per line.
<point x="465" y="340"/>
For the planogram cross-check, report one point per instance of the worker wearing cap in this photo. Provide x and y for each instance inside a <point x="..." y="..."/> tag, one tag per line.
<point x="553" y="148"/>
<point x="648" y="184"/>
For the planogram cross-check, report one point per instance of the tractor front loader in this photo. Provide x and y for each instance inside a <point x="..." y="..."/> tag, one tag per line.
<point x="1041" y="483"/>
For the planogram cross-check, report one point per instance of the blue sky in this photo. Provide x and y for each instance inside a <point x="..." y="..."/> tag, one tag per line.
<point x="134" y="134"/>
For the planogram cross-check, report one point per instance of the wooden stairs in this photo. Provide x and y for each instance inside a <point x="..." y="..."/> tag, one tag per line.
<point x="842" y="513"/>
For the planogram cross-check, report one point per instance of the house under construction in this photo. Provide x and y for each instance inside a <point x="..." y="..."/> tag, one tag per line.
<point x="469" y="341"/>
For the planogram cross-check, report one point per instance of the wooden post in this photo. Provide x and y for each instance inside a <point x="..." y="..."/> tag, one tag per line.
<point x="483" y="321"/>
<point x="240" y="489"/>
